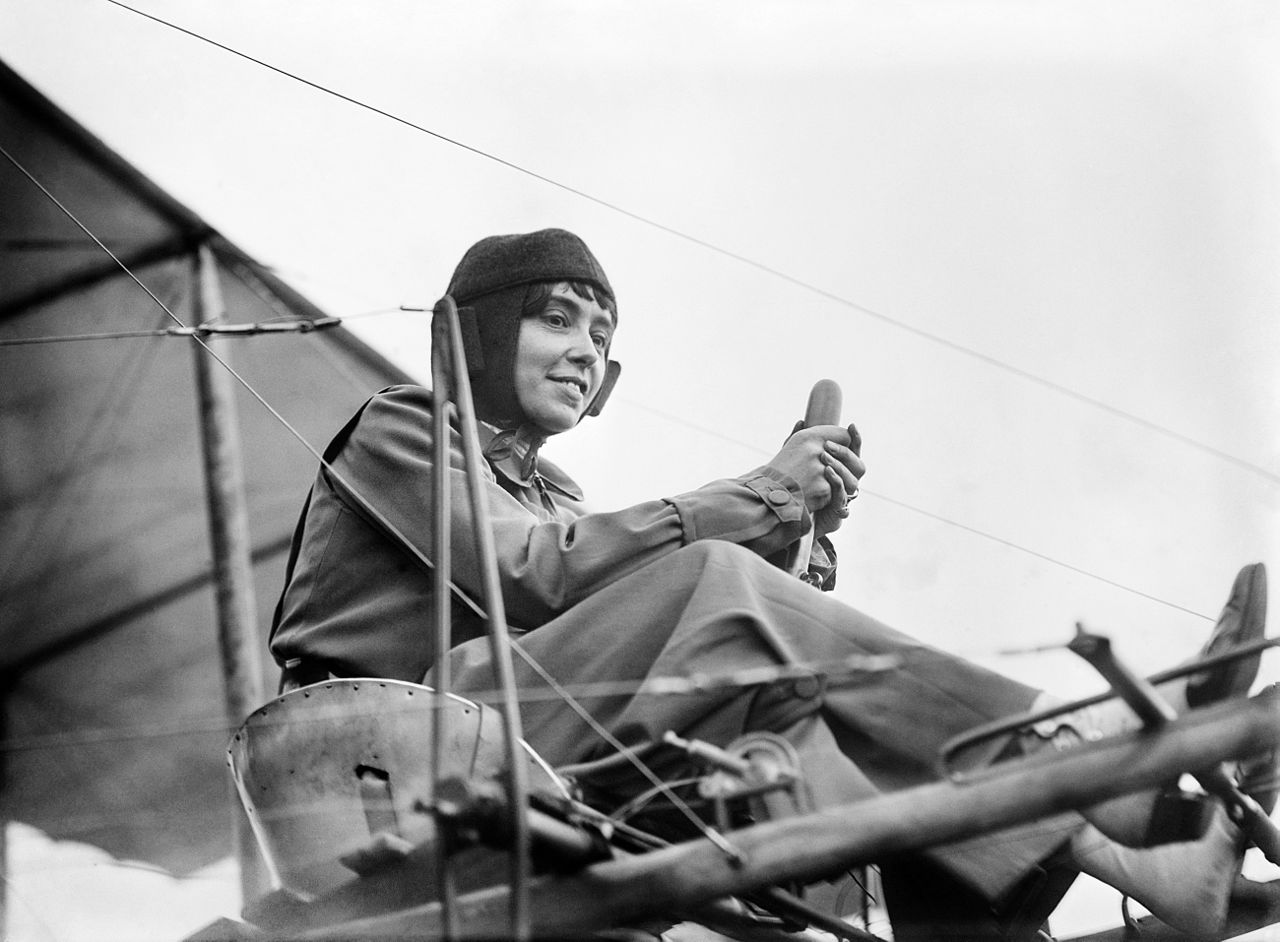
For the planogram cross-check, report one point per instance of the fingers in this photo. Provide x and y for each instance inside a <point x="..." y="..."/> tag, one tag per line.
<point x="844" y="484"/>
<point x="831" y="516"/>
<point x="847" y="463"/>
<point x="840" y="486"/>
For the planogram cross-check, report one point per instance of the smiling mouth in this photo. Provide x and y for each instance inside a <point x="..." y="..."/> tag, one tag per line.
<point x="570" y="383"/>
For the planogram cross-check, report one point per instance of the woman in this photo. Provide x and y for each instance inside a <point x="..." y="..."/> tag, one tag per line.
<point x="694" y="583"/>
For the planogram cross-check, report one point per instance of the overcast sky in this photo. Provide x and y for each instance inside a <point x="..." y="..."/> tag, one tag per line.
<point x="1036" y="244"/>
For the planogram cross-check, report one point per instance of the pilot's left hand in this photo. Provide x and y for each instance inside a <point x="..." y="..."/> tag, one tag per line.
<point x="843" y="469"/>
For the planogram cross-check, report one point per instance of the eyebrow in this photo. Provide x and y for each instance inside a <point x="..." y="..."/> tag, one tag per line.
<point x="601" y="317"/>
<point x="604" y="319"/>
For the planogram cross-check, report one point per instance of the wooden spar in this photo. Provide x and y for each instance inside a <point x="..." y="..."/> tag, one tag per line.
<point x="229" y="539"/>
<point x="678" y="878"/>
<point x="442" y="595"/>
<point x="516" y="777"/>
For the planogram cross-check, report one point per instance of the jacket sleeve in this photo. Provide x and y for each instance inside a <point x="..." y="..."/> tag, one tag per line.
<point x="547" y="566"/>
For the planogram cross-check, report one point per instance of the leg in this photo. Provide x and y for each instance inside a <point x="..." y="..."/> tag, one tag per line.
<point x="713" y="608"/>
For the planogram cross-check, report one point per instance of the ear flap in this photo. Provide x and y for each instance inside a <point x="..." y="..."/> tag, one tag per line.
<point x="612" y="370"/>
<point x="471" y="340"/>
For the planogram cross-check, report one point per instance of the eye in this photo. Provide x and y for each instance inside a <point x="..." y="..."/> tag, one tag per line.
<point x="601" y="340"/>
<point x="555" y="318"/>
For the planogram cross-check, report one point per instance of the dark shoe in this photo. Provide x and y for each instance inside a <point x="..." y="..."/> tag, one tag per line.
<point x="1242" y="620"/>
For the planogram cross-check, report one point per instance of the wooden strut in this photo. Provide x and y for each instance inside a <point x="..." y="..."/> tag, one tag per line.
<point x="447" y="330"/>
<point x="442" y="597"/>
<point x="229" y="537"/>
<point x="679" y="878"/>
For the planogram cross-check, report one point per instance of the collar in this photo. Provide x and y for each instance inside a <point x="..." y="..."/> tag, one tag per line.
<point x="513" y="453"/>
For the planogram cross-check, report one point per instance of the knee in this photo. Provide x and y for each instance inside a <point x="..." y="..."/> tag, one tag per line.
<point x="703" y="553"/>
<point x="730" y="569"/>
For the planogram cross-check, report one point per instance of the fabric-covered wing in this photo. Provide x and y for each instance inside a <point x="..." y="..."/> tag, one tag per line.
<point x="112" y="707"/>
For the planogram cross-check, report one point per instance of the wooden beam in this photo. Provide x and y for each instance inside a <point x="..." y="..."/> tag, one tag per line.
<point x="678" y="878"/>
<point x="229" y="536"/>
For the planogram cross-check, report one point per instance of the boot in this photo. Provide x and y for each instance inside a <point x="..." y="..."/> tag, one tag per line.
<point x="1242" y="620"/>
<point x="1127" y="819"/>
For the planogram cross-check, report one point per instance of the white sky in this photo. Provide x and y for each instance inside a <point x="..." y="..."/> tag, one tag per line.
<point x="1084" y="191"/>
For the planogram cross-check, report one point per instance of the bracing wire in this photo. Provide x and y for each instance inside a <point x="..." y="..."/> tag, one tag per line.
<point x="968" y="528"/>
<point x="846" y="670"/>
<point x="295" y="326"/>
<point x="1079" y="570"/>
<point x="633" y="758"/>
<point x="937" y="339"/>
<point x="282" y="324"/>
<point x="255" y="286"/>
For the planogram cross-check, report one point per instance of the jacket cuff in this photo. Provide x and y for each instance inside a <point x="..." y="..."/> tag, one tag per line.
<point x="780" y="493"/>
<point x="763" y="510"/>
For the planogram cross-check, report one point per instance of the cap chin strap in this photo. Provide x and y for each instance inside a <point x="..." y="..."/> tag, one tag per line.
<point x="612" y="370"/>
<point x="471" y="340"/>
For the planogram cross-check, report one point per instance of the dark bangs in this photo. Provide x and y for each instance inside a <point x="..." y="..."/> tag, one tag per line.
<point x="538" y="294"/>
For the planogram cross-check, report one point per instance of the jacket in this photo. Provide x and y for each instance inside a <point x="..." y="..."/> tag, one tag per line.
<point x="355" y="603"/>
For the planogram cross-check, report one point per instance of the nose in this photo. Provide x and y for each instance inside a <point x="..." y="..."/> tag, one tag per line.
<point x="583" y="351"/>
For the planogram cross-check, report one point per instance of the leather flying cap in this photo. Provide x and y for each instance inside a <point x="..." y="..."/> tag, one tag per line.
<point x="491" y="286"/>
<point x="505" y="261"/>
